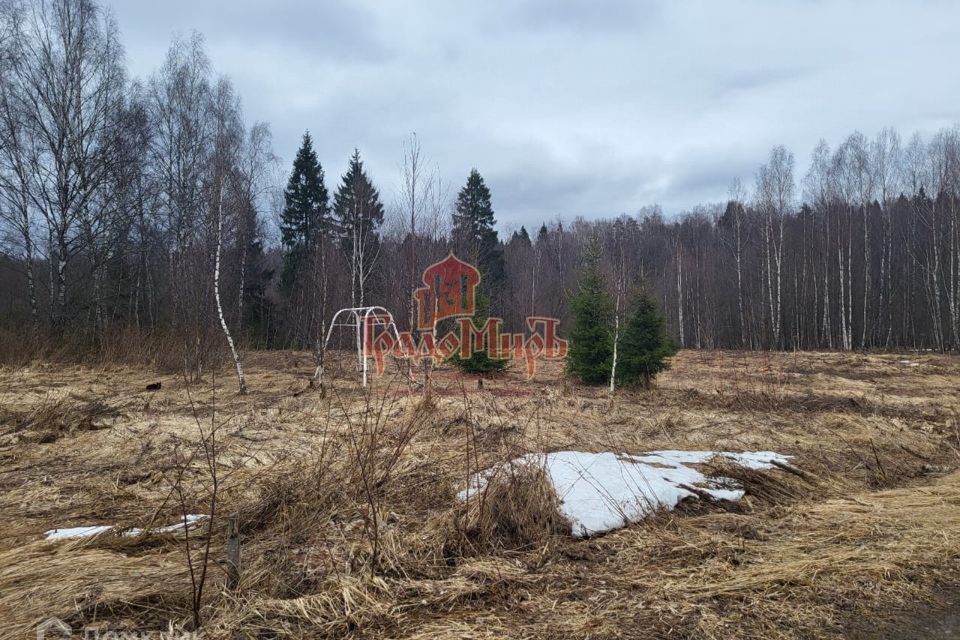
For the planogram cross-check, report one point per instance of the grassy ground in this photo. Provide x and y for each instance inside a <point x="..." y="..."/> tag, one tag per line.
<point x="349" y="524"/>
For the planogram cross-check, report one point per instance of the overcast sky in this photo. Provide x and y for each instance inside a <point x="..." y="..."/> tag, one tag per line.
<point x="570" y="108"/>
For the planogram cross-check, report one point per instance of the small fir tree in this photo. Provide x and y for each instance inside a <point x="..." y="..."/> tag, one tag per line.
<point x="479" y="361"/>
<point x="645" y="345"/>
<point x="591" y="344"/>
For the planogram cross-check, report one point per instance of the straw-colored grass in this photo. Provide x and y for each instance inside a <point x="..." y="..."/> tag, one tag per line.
<point x="350" y="525"/>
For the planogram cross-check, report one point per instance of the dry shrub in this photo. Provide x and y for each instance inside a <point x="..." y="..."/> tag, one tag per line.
<point x="47" y="579"/>
<point x="293" y="499"/>
<point x="54" y="419"/>
<point x="162" y="350"/>
<point x="345" y="509"/>
<point x="766" y="400"/>
<point x="293" y="513"/>
<point x="516" y="509"/>
<point x="337" y="606"/>
<point x="165" y="351"/>
<point x="772" y="487"/>
<point x="17" y="348"/>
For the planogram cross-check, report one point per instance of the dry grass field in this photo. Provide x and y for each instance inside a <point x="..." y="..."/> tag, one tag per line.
<point x="349" y="523"/>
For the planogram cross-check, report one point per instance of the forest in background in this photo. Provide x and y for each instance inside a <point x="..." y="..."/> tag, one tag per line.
<point x="135" y="211"/>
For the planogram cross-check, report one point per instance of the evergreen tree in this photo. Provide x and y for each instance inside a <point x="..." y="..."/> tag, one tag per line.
<point x="645" y="345"/>
<point x="474" y="233"/>
<point x="591" y="343"/>
<point x="521" y="237"/>
<point x="358" y="214"/>
<point x="475" y="237"/>
<point x="306" y="214"/>
<point x="543" y="233"/>
<point x="480" y="361"/>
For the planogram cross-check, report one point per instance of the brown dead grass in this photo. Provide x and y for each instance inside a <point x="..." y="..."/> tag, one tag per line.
<point x="872" y="524"/>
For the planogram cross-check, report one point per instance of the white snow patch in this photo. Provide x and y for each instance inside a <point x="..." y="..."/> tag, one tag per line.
<point x="76" y="532"/>
<point x="191" y="519"/>
<point x="85" y="532"/>
<point x="603" y="491"/>
<point x="910" y="363"/>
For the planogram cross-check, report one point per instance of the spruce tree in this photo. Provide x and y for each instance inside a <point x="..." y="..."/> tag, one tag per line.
<point x="358" y="214"/>
<point x="306" y="214"/>
<point x="645" y="345"/>
<point x="521" y="237"/>
<point x="476" y="241"/>
<point x="480" y="361"/>
<point x="590" y="356"/>
<point x="474" y="232"/>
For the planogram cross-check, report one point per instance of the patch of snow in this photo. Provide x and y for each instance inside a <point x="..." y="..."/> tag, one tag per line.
<point x="76" y="532"/>
<point x="910" y="363"/>
<point x="191" y="519"/>
<point x="750" y="459"/>
<point x="85" y="532"/>
<point x="603" y="491"/>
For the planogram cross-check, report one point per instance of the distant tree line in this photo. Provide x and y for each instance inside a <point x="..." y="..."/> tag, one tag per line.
<point x="142" y="207"/>
<point x="862" y="251"/>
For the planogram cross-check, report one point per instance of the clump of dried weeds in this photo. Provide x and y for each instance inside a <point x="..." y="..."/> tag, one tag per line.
<point x="55" y="418"/>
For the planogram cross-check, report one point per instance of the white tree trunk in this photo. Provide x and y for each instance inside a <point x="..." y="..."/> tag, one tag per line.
<point x="616" y="323"/>
<point x="216" y="295"/>
<point x="680" y="293"/>
<point x="739" y="260"/>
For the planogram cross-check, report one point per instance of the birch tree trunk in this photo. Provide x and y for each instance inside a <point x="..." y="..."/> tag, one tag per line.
<point x="31" y="286"/>
<point x="739" y="262"/>
<point x="216" y="294"/>
<point x="320" y="354"/>
<point x="865" y="330"/>
<point x="680" y="293"/>
<point x="616" y="315"/>
<point x="769" y="269"/>
<point x="777" y="333"/>
<point x="953" y="287"/>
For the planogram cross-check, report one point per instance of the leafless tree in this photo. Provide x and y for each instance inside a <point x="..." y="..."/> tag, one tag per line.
<point x="775" y="188"/>
<point x="68" y="87"/>
<point x="227" y="139"/>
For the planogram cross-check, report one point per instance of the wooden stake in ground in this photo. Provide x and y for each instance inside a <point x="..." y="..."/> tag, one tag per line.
<point x="233" y="552"/>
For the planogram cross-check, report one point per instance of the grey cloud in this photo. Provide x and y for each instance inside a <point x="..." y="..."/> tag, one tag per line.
<point x="583" y="15"/>
<point x="340" y="30"/>
<point x="571" y="107"/>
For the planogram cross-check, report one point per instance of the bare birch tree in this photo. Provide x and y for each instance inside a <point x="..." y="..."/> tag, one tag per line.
<point x="775" y="187"/>
<point x="227" y="138"/>
<point x="69" y="84"/>
<point x="16" y="156"/>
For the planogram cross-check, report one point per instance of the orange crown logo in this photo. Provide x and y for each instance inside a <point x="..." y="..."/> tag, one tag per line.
<point x="450" y="291"/>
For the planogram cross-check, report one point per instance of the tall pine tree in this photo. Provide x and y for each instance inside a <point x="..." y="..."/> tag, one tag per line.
<point x="306" y="211"/>
<point x="590" y="356"/>
<point x="474" y="232"/>
<point x="476" y="241"/>
<point x="358" y="215"/>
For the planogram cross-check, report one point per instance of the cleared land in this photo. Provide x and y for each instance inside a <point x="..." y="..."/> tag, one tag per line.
<point x="349" y="524"/>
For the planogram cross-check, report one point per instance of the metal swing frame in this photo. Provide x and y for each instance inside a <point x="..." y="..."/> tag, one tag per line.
<point x="357" y="318"/>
